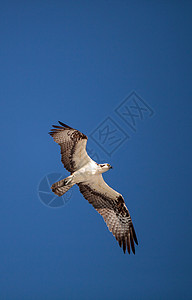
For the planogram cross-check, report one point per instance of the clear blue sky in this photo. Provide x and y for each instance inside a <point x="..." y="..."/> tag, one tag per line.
<point x="76" y="61"/>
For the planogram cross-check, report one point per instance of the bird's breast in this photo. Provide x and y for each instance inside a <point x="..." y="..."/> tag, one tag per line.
<point x="84" y="173"/>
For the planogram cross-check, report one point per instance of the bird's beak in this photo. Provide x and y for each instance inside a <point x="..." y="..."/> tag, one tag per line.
<point x="111" y="167"/>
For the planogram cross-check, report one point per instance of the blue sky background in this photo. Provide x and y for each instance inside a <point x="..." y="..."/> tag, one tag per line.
<point x="76" y="61"/>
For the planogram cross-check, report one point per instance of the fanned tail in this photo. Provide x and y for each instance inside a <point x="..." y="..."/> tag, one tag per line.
<point x="62" y="186"/>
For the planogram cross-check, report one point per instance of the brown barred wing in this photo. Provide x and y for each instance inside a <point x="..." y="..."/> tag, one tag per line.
<point x="73" y="146"/>
<point x="110" y="204"/>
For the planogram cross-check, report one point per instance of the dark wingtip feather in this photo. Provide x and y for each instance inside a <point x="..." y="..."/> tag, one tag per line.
<point x="64" y="125"/>
<point x="128" y="244"/>
<point x="120" y="243"/>
<point x="55" y="126"/>
<point x="132" y="242"/>
<point x="134" y="236"/>
<point x="124" y="245"/>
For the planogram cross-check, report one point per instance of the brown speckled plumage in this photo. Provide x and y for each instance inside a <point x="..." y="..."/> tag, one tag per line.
<point x="109" y="203"/>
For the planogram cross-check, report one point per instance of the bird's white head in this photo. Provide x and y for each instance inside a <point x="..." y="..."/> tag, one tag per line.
<point x="105" y="167"/>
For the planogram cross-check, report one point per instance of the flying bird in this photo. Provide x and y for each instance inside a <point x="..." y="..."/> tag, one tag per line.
<point x="87" y="174"/>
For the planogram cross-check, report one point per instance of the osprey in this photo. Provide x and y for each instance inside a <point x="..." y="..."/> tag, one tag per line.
<point x="87" y="174"/>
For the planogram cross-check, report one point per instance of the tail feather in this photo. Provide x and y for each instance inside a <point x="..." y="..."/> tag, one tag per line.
<point x="62" y="186"/>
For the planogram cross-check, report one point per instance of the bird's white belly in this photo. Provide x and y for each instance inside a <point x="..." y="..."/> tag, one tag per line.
<point x="85" y="173"/>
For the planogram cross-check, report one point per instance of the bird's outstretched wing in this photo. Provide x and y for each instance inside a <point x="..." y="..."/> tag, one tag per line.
<point x="110" y="204"/>
<point x="73" y="146"/>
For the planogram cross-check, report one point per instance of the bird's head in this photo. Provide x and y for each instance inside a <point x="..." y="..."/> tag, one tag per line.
<point x="105" y="167"/>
